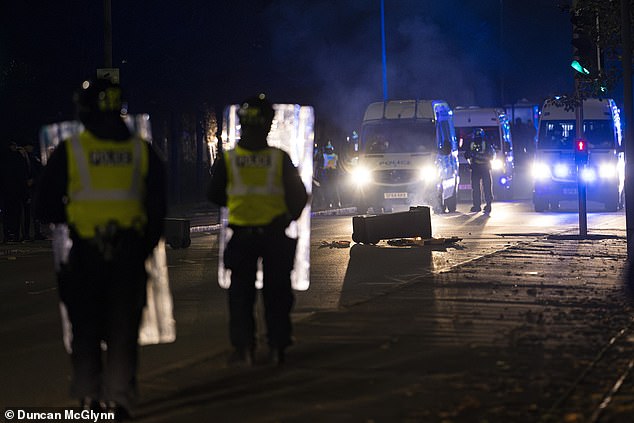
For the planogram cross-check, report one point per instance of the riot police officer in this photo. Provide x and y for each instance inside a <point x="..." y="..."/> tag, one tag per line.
<point x="263" y="192"/>
<point x="328" y="174"/>
<point x="108" y="186"/>
<point x="479" y="155"/>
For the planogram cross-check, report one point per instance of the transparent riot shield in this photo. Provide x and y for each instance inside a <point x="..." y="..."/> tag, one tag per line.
<point x="51" y="135"/>
<point x="293" y="132"/>
<point x="158" y="324"/>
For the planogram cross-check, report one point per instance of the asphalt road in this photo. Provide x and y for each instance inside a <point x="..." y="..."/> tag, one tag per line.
<point x="35" y="367"/>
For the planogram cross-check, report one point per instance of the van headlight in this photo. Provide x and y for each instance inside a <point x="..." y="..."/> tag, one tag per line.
<point x="361" y="175"/>
<point x="561" y="170"/>
<point x="607" y="171"/>
<point x="497" y="164"/>
<point x="541" y="171"/>
<point x="588" y="174"/>
<point x="427" y="173"/>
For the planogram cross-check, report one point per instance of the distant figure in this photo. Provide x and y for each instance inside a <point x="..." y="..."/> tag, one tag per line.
<point x="264" y="193"/>
<point x="34" y="170"/>
<point x="327" y="170"/>
<point x="109" y="187"/>
<point x="14" y="191"/>
<point x="479" y="155"/>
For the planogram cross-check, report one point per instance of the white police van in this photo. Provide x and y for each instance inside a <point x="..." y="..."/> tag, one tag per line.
<point x="495" y="123"/>
<point x="408" y="154"/>
<point x="555" y="170"/>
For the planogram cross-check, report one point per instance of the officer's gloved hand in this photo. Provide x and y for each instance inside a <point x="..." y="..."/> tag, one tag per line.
<point x="281" y="222"/>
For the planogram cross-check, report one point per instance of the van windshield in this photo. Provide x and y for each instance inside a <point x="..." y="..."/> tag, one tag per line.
<point x="399" y="136"/>
<point x="561" y="134"/>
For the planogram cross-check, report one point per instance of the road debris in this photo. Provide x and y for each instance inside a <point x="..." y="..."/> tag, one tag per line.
<point x="335" y="244"/>
<point x="419" y="242"/>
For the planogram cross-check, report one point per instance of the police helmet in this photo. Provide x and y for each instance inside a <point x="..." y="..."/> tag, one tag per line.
<point x="100" y="96"/>
<point x="256" y="111"/>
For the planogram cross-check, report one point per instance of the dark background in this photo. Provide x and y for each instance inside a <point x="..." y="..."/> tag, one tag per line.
<point x="178" y="55"/>
<point x="180" y="60"/>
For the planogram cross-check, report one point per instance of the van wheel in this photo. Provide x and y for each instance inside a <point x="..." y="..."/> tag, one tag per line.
<point x="505" y="193"/>
<point x="362" y="208"/>
<point x="362" y="204"/>
<point x="612" y="204"/>
<point x="541" y="204"/>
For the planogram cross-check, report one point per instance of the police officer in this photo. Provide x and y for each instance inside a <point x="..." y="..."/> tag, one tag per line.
<point x="263" y="192"/>
<point x="479" y="155"/>
<point x="328" y="176"/>
<point x="108" y="186"/>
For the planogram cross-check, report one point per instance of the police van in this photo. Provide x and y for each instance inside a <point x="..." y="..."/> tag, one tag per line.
<point x="495" y="123"/>
<point x="555" y="170"/>
<point x="408" y="155"/>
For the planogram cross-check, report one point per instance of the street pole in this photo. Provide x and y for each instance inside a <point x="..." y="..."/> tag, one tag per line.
<point x="383" y="53"/>
<point x="628" y="118"/>
<point x="502" y="54"/>
<point x="581" y="184"/>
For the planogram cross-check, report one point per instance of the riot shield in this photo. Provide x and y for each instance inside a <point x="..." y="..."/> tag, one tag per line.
<point x="293" y="132"/>
<point x="51" y="135"/>
<point x="157" y="325"/>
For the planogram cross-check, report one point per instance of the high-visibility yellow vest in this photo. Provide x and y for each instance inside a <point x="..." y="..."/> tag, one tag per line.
<point x="255" y="191"/>
<point x="106" y="182"/>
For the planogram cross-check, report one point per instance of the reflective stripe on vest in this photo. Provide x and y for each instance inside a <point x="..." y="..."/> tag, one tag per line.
<point x="479" y="154"/>
<point x="255" y="189"/>
<point x="105" y="183"/>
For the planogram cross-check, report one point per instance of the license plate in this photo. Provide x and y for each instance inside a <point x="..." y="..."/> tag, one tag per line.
<point x="391" y="195"/>
<point x="464" y="186"/>
<point x="570" y="191"/>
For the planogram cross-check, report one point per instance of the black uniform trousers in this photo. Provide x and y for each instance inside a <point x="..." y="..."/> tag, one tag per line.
<point x="277" y="251"/>
<point x="329" y="188"/>
<point x="481" y="174"/>
<point x="105" y="300"/>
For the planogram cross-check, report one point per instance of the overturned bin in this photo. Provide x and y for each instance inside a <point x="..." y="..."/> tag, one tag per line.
<point x="370" y="229"/>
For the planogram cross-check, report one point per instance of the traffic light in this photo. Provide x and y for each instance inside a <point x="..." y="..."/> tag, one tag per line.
<point x="581" y="151"/>
<point x="584" y="53"/>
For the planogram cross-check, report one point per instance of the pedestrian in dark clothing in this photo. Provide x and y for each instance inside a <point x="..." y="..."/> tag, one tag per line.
<point x="264" y="193"/>
<point x="108" y="186"/>
<point x="479" y="155"/>
<point x="327" y="171"/>
<point x="14" y="191"/>
<point x="34" y="170"/>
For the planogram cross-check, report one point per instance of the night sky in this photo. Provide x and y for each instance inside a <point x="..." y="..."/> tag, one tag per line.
<point x="177" y="55"/>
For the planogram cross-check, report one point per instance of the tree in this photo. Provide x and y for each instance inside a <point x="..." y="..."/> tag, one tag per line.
<point x="600" y="22"/>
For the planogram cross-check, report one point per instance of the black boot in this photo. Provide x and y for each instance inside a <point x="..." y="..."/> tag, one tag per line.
<point x="120" y="413"/>
<point x="277" y="356"/>
<point x="89" y="403"/>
